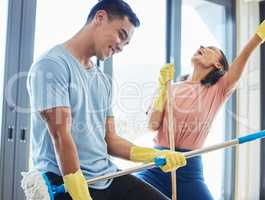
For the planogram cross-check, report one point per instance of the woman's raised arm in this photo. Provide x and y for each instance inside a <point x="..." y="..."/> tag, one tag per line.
<point x="239" y="64"/>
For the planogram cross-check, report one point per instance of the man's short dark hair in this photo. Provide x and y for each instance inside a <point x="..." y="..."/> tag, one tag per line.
<point x="114" y="8"/>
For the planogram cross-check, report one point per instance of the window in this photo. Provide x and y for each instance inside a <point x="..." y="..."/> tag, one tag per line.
<point x="209" y="21"/>
<point x="262" y="120"/>
<point x="3" y="27"/>
<point x="135" y="73"/>
<point x="56" y="23"/>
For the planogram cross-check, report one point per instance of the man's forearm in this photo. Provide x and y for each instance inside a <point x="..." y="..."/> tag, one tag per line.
<point x="58" y="120"/>
<point x="67" y="155"/>
<point x="119" y="147"/>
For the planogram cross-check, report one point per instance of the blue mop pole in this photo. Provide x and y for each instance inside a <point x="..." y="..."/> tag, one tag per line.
<point x="158" y="162"/>
<point x="56" y="190"/>
<point x="230" y="143"/>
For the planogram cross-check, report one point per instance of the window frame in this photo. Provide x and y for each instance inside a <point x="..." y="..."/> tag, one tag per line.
<point x="20" y="36"/>
<point x="174" y="54"/>
<point x="18" y="58"/>
<point x="262" y="113"/>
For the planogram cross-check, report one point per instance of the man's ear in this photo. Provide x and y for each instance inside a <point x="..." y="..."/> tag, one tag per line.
<point x="218" y="65"/>
<point x="100" y="16"/>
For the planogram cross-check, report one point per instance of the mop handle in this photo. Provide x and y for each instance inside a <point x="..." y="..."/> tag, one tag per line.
<point x="158" y="162"/>
<point x="161" y="161"/>
<point x="230" y="143"/>
<point x="171" y="136"/>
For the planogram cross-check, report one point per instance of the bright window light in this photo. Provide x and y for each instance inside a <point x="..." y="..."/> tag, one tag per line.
<point x="200" y="29"/>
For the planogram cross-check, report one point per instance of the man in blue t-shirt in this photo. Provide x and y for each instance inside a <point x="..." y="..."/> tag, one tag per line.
<point x="73" y="130"/>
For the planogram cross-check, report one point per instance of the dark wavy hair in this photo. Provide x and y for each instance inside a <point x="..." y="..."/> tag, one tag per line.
<point x="213" y="76"/>
<point x="115" y="9"/>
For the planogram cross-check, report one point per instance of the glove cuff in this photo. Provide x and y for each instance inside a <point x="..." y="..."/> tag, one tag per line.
<point x="159" y="103"/>
<point x="76" y="186"/>
<point x="142" y="154"/>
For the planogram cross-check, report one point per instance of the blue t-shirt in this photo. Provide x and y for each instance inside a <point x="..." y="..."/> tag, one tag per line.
<point x="58" y="79"/>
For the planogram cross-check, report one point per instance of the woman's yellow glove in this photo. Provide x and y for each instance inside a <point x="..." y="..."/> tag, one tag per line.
<point x="166" y="74"/>
<point x="174" y="159"/>
<point x="261" y="31"/>
<point x="76" y="185"/>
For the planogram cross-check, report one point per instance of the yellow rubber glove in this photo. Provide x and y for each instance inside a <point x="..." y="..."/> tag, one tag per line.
<point x="166" y="74"/>
<point x="76" y="186"/>
<point x="174" y="159"/>
<point x="261" y="31"/>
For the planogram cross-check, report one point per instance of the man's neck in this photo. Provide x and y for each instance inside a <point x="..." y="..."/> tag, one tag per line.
<point x="81" y="47"/>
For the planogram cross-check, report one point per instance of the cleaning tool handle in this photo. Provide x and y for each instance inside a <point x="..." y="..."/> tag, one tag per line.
<point x="58" y="189"/>
<point x="160" y="161"/>
<point x="157" y="162"/>
<point x="251" y="137"/>
<point x="230" y="143"/>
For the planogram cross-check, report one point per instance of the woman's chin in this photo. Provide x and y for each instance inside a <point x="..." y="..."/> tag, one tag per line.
<point x="194" y="61"/>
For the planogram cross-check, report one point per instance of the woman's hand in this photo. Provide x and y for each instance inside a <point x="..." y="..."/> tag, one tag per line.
<point x="261" y="31"/>
<point x="166" y="74"/>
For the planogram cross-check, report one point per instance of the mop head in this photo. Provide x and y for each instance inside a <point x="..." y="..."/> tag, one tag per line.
<point x="34" y="186"/>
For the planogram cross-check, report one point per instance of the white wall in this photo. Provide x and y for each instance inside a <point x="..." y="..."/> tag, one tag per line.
<point x="248" y="115"/>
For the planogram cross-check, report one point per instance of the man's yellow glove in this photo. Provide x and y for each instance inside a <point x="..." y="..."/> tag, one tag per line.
<point x="166" y="74"/>
<point x="261" y="31"/>
<point x="174" y="159"/>
<point x="76" y="186"/>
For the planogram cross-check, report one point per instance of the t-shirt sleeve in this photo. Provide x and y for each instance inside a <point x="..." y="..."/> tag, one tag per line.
<point x="48" y="85"/>
<point x="110" y="96"/>
<point x="226" y="89"/>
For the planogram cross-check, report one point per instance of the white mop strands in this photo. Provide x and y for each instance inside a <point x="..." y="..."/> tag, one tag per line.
<point x="36" y="185"/>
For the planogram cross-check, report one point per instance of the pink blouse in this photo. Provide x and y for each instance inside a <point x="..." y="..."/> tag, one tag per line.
<point x="194" y="109"/>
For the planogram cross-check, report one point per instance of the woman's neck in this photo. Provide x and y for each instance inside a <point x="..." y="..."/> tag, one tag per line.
<point x="198" y="74"/>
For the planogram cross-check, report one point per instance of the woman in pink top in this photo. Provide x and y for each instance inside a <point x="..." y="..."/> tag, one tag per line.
<point x="196" y="100"/>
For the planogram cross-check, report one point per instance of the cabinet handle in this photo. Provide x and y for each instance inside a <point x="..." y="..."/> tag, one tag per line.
<point x="23" y="135"/>
<point x="10" y="133"/>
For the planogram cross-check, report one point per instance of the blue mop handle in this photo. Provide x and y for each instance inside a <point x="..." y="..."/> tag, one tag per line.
<point x="158" y="162"/>
<point x="251" y="137"/>
<point x="223" y="145"/>
<point x="58" y="189"/>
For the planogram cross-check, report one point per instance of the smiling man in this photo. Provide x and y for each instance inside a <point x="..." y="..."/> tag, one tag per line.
<point x="73" y="129"/>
